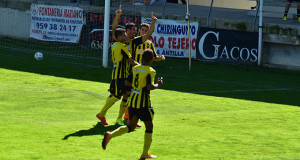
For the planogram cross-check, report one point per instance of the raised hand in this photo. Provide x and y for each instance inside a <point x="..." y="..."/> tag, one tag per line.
<point x="119" y="11"/>
<point x="153" y="18"/>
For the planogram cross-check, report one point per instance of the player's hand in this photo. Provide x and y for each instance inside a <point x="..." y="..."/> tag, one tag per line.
<point x="154" y="19"/>
<point x="160" y="81"/>
<point x="119" y="11"/>
<point x="162" y="57"/>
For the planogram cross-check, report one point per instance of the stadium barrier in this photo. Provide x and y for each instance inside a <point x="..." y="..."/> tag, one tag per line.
<point x="277" y="37"/>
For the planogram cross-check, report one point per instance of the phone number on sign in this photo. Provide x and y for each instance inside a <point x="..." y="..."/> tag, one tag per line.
<point x="55" y="27"/>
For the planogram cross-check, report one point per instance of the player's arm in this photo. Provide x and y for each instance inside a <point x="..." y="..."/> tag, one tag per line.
<point x="127" y="54"/>
<point x="150" y="31"/>
<point x="159" y="58"/>
<point x="128" y="81"/>
<point x="156" y="58"/>
<point x="132" y="61"/>
<point x="152" y="86"/>
<point x="116" y="21"/>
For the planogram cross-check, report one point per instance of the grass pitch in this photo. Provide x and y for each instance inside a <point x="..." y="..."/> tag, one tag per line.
<point x="214" y="112"/>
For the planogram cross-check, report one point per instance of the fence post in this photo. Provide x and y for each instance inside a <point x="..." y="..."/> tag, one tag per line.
<point x="208" y="17"/>
<point x="260" y="32"/>
<point x="106" y="33"/>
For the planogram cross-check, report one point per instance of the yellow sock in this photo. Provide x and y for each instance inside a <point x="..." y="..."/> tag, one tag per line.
<point x="123" y="107"/>
<point x="109" y="102"/>
<point x="119" y="131"/>
<point x="147" y="143"/>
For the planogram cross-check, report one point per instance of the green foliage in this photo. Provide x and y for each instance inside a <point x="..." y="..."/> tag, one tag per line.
<point x="215" y="111"/>
<point x="241" y="26"/>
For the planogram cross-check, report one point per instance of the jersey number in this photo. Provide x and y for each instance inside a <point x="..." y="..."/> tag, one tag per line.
<point x="136" y="81"/>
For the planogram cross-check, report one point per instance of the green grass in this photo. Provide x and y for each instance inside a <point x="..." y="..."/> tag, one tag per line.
<point x="214" y="112"/>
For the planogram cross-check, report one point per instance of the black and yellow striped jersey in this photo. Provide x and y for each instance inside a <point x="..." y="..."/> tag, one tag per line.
<point x="140" y="76"/>
<point x="132" y="46"/>
<point x="137" y="55"/>
<point x="120" y="55"/>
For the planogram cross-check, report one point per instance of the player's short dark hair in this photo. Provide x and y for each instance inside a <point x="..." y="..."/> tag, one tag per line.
<point x="119" y="32"/>
<point x="130" y="25"/>
<point x="145" y="25"/>
<point x="148" y="55"/>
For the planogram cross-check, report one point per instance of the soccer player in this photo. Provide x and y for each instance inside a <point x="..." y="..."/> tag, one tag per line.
<point x="287" y="7"/>
<point x="132" y="43"/>
<point x="121" y="58"/>
<point x="130" y="32"/>
<point x="142" y="80"/>
<point x="137" y="56"/>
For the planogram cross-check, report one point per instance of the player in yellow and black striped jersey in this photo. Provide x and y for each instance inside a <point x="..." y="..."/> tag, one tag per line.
<point x="142" y="80"/>
<point x="120" y="56"/>
<point x="132" y="41"/>
<point x="122" y="59"/>
<point x="131" y="30"/>
<point x="137" y="55"/>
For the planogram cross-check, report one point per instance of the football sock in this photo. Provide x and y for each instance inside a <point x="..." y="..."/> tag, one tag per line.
<point x="123" y="107"/>
<point x="119" y="131"/>
<point x="109" y="102"/>
<point x="298" y="13"/>
<point x="285" y="13"/>
<point x="147" y="143"/>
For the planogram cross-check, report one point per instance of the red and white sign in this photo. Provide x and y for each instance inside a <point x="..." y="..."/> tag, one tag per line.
<point x="170" y="37"/>
<point x="56" y="23"/>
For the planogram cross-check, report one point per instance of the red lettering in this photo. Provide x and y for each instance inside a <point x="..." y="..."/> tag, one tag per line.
<point x="151" y="39"/>
<point x="174" y="43"/>
<point x="136" y="21"/>
<point x="187" y="43"/>
<point x="127" y="20"/>
<point x="155" y="43"/>
<point x="36" y="31"/>
<point x="178" y="44"/>
<point x="182" y="43"/>
<point x="93" y="17"/>
<point x="194" y="44"/>
<point x="170" y="40"/>
<point x="161" y="42"/>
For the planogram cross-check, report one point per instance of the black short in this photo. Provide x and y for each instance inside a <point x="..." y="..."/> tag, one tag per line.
<point x="144" y="114"/>
<point x="117" y="87"/>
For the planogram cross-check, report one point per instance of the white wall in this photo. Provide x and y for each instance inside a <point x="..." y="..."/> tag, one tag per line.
<point x="237" y="4"/>
<point x="15" y="23"/>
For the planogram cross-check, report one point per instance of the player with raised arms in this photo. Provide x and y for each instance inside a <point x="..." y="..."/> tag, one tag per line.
<point x="141" y="79"/>
<point x="117" y="87"/>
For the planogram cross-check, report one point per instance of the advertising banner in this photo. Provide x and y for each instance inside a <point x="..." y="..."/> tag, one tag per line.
<point x="170" y="37"/>
<point x="227" y="46"/>
<point x="95" y="28"/>
<point x="56" y="23"/>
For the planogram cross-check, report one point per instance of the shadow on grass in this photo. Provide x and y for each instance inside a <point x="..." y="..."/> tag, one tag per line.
<point x="212" y="79"/>
<point x="97" y="129"/>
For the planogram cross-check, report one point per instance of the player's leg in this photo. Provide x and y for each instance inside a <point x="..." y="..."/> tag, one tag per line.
<point x="121" y="130"/>
<point x="287" y="7"/>
<point x="298" y="10"/>
<point x="147" y="117"/>
<point x="123" y="107"/>
<point x="128" y="91"/>
<point x="109" y="101"/>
